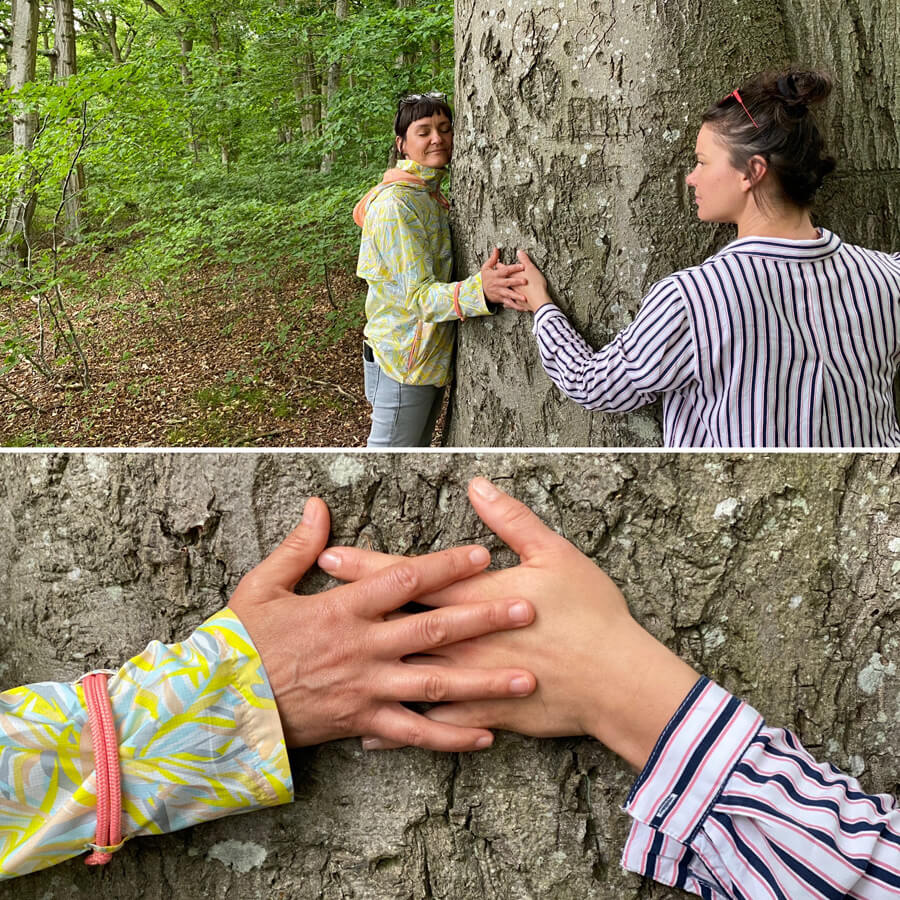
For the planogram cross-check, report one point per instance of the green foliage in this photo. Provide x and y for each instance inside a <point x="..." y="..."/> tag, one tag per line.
<point x="197" y="130"/>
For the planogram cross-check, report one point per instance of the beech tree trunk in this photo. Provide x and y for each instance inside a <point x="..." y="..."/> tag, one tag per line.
<point x="575" y="129"/>
<point x="333" y="81"/>
<point x="23" y="55"/>
<point x="66" y="67"/>
<point x="307" y="84"/>
<point x="775" y="575"/>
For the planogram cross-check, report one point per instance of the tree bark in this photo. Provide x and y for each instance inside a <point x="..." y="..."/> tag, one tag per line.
<point x="66" y="67"/>
<point x="775" y="575"/>
<point x="307" y="84"/>
<point x="23" y="57"/>
<point x="575" y="129"/>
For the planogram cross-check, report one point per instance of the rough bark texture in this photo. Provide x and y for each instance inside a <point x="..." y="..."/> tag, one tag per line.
<point x="777" y="576"/>
<point x="575" y="128"/>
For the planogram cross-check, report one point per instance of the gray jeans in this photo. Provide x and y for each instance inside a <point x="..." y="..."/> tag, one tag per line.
<point x="403" y="415"/>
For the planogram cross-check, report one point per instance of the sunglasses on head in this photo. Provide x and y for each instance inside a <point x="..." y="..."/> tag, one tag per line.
<point x="431" y="95"/>
<point x="737" y="96"/>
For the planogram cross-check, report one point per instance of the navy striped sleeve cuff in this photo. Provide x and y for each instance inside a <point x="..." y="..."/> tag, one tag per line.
<point x="543" y="313"/>
<point x="692" y="760"/>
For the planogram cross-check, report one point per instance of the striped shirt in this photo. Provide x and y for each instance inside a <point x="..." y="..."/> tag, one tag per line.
<point x="729" y="808"/>
<point x="769" y="343"/>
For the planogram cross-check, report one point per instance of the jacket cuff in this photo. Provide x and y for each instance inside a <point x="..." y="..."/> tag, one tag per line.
<point x="199" y="732"/>
<point x="469" y="295"/>
<point x="687" y="770"/>
<point x="199" y="738"/>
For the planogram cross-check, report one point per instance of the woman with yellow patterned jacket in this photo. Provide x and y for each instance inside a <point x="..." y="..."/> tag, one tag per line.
<point x="406" y="256"/>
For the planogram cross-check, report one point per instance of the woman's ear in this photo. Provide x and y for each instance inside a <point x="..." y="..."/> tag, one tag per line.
<point x="399" y="143"/>
<point x="756" y="170"/>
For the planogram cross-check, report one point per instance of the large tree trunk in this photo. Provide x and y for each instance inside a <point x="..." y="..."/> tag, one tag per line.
<point x="575" y="129"/>
<point x="23" y="56"/>
<point x="66" y="67"/>
<point x="776" y="575"/>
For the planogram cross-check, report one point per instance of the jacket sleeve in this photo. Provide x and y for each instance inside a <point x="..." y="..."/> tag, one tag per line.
<point x="395" y="251"/>
<point x="199" y="738"/>
<point x="729" y="808"/>
<point x="652" y="355"/>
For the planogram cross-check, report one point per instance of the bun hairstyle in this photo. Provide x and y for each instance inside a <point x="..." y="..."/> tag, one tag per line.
<point x="771" y="118"/>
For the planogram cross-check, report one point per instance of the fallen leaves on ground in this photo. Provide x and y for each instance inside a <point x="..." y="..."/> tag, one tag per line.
<point x="208" y="367"/>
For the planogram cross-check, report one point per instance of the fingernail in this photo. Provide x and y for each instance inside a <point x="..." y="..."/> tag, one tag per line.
<point x="483" y="742"/>
<point x="311" y="513"/>
<point x="519" y="612"/>
<point x="484" y="489"/>
<point x="520" y="685"/>
<point x="371" y="744"/>
<point x="330" y="560"/>
<point x="479" y="556"/>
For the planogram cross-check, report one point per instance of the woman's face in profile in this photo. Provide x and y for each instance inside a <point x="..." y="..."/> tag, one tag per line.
<point x="720" y="190"/>
<point x="428" y="141"/>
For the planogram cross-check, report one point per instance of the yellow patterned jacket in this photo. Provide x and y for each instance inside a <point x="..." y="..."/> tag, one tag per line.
<point x="407" y="259"/>
<point x="199" y="738"/>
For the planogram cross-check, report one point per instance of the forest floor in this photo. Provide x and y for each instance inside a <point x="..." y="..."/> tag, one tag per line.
<point x="277" y="365"/>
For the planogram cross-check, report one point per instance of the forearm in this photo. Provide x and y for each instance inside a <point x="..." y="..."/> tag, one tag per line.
<point x="652" y="355"/>
<point x="435" y="301"/>
<point x="199" y="738"/>
<point x="728" y="805"/>
<point x="595" y="379"/>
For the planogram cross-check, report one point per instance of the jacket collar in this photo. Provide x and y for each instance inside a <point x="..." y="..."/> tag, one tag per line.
<point x="431" y="177"/>
<point x="822" y="247"/>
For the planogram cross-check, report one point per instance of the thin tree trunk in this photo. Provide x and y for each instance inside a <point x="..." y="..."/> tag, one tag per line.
<point x="307" y="84"/>
<point x="185" y="47"/>
<point x="435" y="57"/>
<point x="23" y="57"/>
<point x="341" y="11"/>
<point x="406" y="59"/>
<point x="66" y="66"/>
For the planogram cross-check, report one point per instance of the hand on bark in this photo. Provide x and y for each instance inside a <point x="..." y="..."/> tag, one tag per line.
<point x="535" y="294"/>
<point x="598" y="671"/>
<point x="336" y="664"/>
<point x="498" y="281"/>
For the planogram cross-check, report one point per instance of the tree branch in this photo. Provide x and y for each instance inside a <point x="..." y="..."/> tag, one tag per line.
<point x="156" y="7"/>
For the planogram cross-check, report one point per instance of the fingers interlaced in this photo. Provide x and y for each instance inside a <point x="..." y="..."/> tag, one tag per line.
<point x="429" y="630"/>
<point x="401" y="727"/>
<point x="407" y="580"/>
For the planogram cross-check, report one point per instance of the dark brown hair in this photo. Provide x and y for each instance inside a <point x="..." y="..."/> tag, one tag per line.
<point x="785" y="134"/>
<point x="419" y="106"/>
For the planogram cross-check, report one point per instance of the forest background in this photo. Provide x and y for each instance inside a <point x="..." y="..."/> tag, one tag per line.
<point x="177" y="179"/>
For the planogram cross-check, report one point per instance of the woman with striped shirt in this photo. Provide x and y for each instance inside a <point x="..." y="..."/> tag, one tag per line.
<point x="788" y="336"/>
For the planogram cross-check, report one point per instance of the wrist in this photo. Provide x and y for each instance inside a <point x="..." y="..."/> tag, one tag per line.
<point x="639" y="696"/>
